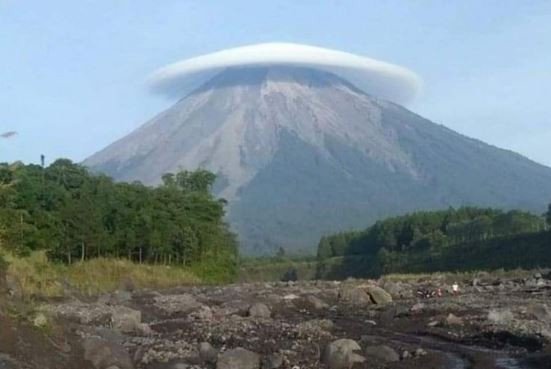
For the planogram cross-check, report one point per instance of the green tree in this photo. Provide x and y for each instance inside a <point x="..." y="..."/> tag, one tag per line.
<point x="75" y="215"/>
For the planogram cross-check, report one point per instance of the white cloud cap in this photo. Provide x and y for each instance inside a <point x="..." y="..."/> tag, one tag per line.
<point x="377" y="78"/>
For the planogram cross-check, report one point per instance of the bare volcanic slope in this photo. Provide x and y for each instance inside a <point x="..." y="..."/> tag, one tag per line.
<point x="301" y="152"/>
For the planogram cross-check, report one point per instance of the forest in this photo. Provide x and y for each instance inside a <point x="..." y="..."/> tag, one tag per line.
<point x="431" y="230"/>
<point x="75" y="215"/>
<point x="452" y="239"/>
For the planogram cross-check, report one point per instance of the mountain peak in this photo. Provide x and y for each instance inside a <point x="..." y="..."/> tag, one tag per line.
<point x="300" y="152"/>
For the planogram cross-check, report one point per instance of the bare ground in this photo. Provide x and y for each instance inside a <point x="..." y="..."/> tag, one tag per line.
<point x="492" y="323"/>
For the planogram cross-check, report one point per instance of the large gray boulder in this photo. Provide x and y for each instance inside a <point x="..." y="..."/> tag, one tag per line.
<point x="341" y="354"/>
<point x="378" y="295"/>
<point x="238" y="358"/>
<point x="260" y="311"/>
<point x="354" y="296"/>
<point x="126" y="320"/>
<point x="314" y="303"/>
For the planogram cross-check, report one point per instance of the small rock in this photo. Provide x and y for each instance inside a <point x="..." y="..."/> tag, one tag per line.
<point x="417" y="307"/>
<point x="341" y="354"/>
<point x="207" y="353"/>
<point x="452" y="320"/>
<point x="420" y="352"/>
<point x="382" y="352"/>
<point x="406" y="355"/>
<point x="290" y="297"/>
<point x="238" y="358"/>
<point x="145" y="329"/>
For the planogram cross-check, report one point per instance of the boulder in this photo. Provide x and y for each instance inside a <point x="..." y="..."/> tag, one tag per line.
<point x="126" y="320"/>
<point x="378" y="295"/>
<point x="398" y="290"/>
<point x="354" y="296"/>
<point x="238" y="358"/>
<point x="104" y="354"/>
<point x="207" y="353"/>
<point x="260" y="311"/>
<point x="315" y="303"/>
<point x="382" y="353"/>
<point x="341" y="354"/>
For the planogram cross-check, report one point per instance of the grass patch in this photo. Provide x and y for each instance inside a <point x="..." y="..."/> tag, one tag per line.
<point x="274" y="269"/>
<point x="36" y="276"/>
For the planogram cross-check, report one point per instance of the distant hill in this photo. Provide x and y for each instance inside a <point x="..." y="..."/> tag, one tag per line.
<point x="300" y="153"/>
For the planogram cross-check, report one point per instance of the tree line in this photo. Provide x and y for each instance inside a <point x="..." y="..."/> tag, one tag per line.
<point x="75" y="215"/>
<point x="432" y="230"/>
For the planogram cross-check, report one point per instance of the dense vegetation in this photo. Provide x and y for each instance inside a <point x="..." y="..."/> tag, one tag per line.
<point x="452" y="239"/>
<point x="74" y="215"/>
<point x="431" y="230"/>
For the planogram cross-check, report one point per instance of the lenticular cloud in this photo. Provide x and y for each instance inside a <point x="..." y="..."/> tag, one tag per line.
<point x="377" y="78"/>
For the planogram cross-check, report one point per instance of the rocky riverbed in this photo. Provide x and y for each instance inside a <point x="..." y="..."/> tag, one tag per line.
<point x="492" y="322"/>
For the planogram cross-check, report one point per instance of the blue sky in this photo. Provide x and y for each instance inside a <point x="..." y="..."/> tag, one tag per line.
<point x="72" y="73"/>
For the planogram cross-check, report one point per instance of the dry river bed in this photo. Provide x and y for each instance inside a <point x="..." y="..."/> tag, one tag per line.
<point x="491" y="323"/>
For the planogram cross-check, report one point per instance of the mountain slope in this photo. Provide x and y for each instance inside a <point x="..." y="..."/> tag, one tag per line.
<point x="301" y="152"/>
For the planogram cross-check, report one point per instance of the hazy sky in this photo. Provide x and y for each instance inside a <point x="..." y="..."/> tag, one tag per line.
<point x="72" y="72"/>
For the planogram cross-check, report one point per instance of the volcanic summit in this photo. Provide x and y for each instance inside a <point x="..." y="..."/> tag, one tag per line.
<point x="307" y="141"/>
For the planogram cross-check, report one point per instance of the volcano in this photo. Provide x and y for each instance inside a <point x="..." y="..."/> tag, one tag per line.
<point x="300" y="152"/>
